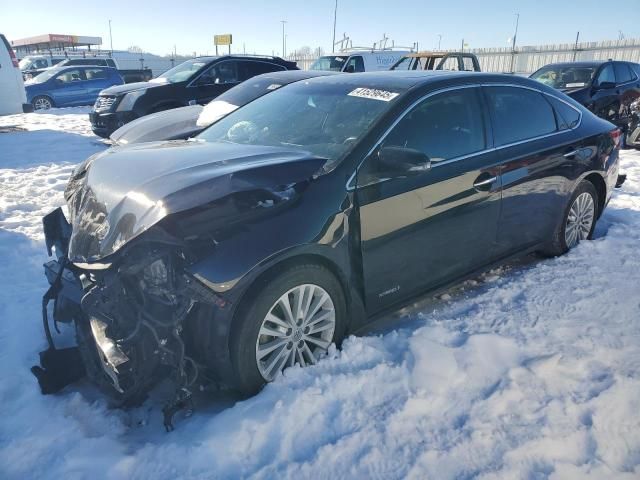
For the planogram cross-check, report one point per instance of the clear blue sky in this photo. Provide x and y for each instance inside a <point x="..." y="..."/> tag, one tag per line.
<point x="156" y="25"/>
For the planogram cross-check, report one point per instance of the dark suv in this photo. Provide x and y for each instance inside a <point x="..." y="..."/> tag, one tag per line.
<point x="196" y="81"/>
<point x="606" y="88"/>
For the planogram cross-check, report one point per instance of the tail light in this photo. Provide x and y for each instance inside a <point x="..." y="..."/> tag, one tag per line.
<point x="616" y="136"/>
<point x="13" y="58"/>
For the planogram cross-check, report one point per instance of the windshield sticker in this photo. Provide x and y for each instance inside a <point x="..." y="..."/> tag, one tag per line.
<point x="273" y="86"/>
<point x="373" y="94"/>
<point x="574" y="85"/>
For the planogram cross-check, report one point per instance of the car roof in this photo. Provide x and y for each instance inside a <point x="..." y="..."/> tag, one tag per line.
<point x="406" y="79"/>
<point x="290" y="76"/>
<point x="589" y="63"/>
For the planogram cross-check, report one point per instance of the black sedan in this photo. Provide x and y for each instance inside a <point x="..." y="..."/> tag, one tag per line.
<point x="306" y="213"/>
<point x="608" y="88"/>
<point x="185" y="122"/>
<point x="196" y="81"/>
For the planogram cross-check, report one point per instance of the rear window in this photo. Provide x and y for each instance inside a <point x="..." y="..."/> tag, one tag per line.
<point x="519" y="114"/>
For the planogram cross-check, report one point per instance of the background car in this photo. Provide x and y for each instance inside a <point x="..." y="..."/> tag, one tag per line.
<point x="302" y="215"/>
<point x="12" y="94"/>
<point x="185" y="122"/>
<point x="606" y="88"/>
<point x="70" y="86"/>
<point x="196" y="81"/>
<point x="438" y="61"/>
<point x="358" y="60"/>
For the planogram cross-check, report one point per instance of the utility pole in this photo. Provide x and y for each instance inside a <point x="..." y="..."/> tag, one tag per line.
<point x="283" y="39"/>
<point x="513" y="45"/>
<point x="575" y="48"/>
<point x="440" y="40"/>
<point x="335" y="14"/>
<point x="462" y="46"/>
<point x="110" y="37"/>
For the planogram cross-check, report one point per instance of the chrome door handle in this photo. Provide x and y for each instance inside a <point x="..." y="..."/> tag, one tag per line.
<point x="570" y="154"/>
<point x="484" y="183"/>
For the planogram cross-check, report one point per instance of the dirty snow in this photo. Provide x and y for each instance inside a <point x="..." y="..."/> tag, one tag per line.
<point x="529" y="371"/>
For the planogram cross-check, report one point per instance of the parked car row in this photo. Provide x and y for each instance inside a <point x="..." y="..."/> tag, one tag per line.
<point x="309" y="205"/>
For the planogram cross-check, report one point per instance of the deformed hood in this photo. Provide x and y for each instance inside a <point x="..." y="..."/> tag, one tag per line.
<point x="120" y="193"/>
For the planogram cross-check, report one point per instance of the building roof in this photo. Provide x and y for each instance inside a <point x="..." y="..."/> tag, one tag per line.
<point x="55" y="40"/>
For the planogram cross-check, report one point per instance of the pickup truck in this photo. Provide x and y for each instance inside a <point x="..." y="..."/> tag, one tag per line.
<point x="438" y="61"/>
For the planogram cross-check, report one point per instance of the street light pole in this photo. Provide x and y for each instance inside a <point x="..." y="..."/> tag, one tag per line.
<point x="110" y="37"/>
<point x="335" y="14"/>
<point x="439" y="40"/>
<point x="513" y="45"/>
<point x="283" y="40"/>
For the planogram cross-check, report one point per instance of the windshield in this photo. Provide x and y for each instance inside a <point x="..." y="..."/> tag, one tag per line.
<point x="333" y="63"/>
<point x="181" y="72"/>
<point x="44" y="76"/>
<point x="324" y="119"/>
<point x="570" y="76"/>
<point x="25" y="64"/>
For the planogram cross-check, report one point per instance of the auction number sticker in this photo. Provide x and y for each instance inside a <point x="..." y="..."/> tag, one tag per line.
<point x="373" y="94"/>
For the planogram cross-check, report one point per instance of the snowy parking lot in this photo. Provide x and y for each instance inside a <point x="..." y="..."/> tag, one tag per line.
<point x="528" y="371"/>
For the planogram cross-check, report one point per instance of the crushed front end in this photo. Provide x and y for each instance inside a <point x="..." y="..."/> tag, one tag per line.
<point x="129" y="316"/>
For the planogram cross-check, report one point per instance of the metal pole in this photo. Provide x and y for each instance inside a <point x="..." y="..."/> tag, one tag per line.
<point x="439" y="40"/>
<point x="335" y="14"/>
<point x="513" y="45"/>
<point x="283" y="45"/>
<point x="110" y="37"/>
<point x="575" y="48"/>
<point x="462" y="46"/>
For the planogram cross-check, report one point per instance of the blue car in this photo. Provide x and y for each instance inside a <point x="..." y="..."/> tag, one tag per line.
<point x="70" y="86"/>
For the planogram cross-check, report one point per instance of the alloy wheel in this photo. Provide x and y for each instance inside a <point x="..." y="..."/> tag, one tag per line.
<point x="580" y="220"/>
<point x="298" y="328"/>
<point x="42" y="103"/>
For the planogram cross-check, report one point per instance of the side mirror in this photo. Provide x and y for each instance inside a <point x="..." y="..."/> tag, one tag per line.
<point x="605" y="85"/>
<point x="402" y="161"/>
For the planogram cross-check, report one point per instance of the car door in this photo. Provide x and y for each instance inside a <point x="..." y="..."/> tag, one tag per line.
<point x="69" y="88"/>
<point x="422" y="230"/>
<point x="534" y="150"/>
<point x="604" y="100"/>
<point x="97" y="80"/>
<point x="214" y="80"/>
<point x="627" y="88"/>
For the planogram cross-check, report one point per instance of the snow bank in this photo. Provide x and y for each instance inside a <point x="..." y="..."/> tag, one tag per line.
<point x="530" y="371"/>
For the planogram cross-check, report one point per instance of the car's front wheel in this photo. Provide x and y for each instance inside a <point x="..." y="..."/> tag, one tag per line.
<point x="289" y="319"/>
<point x="578" y="222"/>
<point x="42" y="102"/>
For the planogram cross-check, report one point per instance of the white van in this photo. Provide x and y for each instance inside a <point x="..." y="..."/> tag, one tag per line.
<point x="359" y="61"/>
<point x="12" y="95"/>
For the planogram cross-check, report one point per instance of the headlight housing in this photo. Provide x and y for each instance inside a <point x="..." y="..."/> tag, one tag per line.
<point x="130" y="99"/>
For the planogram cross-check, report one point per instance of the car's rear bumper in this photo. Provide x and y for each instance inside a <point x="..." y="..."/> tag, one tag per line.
<point x="104" y="124"/>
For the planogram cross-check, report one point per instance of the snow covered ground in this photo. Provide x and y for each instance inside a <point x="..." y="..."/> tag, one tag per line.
<point x="530" y="371"/>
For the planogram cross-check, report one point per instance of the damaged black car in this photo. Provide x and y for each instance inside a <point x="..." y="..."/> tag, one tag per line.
<point x="305" y="214"/>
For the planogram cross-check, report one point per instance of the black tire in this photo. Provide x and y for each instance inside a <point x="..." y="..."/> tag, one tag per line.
<point x="257" y="303"/>
<point x="558" y="246"/>
<point x="42" y="100"/>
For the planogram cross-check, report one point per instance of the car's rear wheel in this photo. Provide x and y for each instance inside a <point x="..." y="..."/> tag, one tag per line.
<point x="578" y="222"/>
<point x="42" y="102"/>
<point x="289" y="319"/>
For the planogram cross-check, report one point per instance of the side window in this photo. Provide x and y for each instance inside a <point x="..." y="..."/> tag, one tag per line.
<point x="606" y="75"/>
<point x="95" y="73"/>
<point x="219" y="73"/>
<point x="445" y="126"/>
<point x="623" y="74"/>
<point x="566" y="116"/>
<point x="248" y="70"/>
<point x="404" y="64"/>
<point x="70" y="76"/>
<point x="519" y="114"/>
<point x="111" y="63"/>
<point x="41" y="63"/>
<point x="56" y="61"/>
<point x="355" y="64"/>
